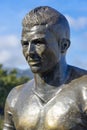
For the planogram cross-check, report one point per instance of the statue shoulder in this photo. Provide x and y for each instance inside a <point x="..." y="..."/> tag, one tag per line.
<point x="14" y="94"/>
<point x="83" y="84"/>
<point x="77" y="72"/>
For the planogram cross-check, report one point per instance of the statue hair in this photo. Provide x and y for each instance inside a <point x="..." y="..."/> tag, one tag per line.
<point x="45" y="15"/>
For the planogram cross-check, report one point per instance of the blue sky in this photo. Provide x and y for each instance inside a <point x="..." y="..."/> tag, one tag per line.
<point x="11" y="15"/>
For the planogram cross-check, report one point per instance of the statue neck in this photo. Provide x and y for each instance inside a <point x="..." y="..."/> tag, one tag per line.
<point x="48" y="83"/>
<point x="55" y="77"/>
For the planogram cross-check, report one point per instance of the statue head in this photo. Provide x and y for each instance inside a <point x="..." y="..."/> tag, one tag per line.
<point x="44" y="25"/>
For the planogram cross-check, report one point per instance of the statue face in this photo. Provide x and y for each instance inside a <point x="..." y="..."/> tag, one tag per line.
<point x="40" y="49"/>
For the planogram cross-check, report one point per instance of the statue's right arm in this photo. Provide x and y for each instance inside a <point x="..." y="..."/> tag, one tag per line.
<point x="8" y="111"/>
<point x="8" y="121"/>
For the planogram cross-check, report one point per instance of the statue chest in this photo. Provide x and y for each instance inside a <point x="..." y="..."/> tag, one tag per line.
<point x="60" y="113"/>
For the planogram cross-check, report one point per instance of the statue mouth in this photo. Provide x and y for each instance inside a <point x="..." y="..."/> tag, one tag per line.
<point x="34" y="62"/>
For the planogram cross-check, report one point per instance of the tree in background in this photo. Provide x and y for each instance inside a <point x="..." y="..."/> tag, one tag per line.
<point x="7" y="82"/>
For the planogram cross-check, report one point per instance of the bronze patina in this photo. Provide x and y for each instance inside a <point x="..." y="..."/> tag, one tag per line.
<point x="56" y="99"/>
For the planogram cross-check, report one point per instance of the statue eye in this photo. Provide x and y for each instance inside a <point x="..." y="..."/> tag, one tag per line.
<point x="25" y="43"/>
<point x="39" y="42"/>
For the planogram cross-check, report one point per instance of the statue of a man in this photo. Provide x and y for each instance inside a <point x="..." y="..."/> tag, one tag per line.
<point x="56" y="99"/>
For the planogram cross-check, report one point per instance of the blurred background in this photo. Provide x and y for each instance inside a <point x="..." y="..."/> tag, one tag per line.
<point x="14" y="69"/>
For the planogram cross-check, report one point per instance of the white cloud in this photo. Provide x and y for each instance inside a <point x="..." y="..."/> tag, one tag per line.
<point x="77" y="23"/>
<point x="11" y="51"/>
<point x="4" y="56"/>
<point x="8" y="41"/>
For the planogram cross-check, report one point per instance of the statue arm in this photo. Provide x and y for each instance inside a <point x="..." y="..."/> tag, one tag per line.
<point x="8" y="119"/>
<point x="8" y="111"/>
<point x="8" y="122"/>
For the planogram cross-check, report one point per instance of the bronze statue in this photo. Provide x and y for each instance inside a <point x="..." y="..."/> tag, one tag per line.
<point x="56" y="99"/>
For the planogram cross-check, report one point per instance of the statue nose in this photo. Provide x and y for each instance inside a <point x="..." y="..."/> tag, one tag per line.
<point x="31" y="50"/>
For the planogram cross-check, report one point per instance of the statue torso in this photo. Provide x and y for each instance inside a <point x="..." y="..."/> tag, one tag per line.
<point x="64" y="111"/>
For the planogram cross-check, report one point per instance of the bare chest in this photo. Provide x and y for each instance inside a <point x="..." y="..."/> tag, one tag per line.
<point x="62" y="112"/>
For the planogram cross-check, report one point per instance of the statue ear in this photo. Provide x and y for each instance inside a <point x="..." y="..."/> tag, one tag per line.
<point x="64" y="44"/>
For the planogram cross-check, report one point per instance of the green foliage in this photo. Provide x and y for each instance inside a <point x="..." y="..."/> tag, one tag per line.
<point x="7" y="82"/>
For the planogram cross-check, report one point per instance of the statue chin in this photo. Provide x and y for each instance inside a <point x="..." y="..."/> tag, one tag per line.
<point x="35" y="69"/>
